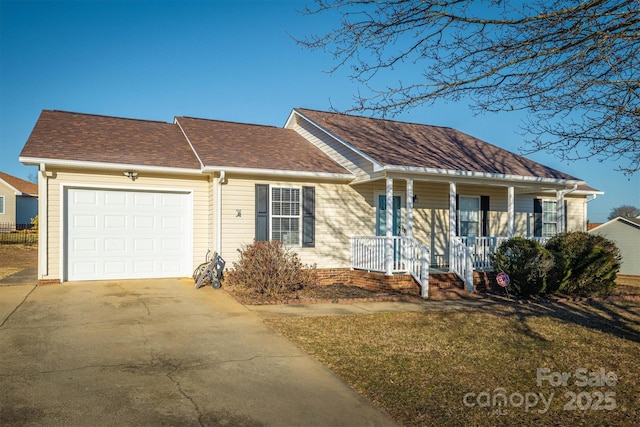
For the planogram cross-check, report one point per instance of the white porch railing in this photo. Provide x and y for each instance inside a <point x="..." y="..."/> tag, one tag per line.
<point x="408" y="256"/>
<point x="461" y="262"/>
<point x="481" y="249"/>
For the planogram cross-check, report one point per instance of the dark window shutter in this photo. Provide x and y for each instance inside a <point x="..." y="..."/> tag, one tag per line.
<point x="457" y="214"/>
<point x="308" y="217"/>
<point x="537" y="218"/>
<point x="484" y="207"/>
<point x="262" y="212"/>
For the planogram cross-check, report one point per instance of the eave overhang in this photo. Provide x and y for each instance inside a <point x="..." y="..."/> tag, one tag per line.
<point x="75" y="164"/>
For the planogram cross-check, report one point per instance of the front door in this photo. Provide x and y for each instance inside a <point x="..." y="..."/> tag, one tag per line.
<point x="381" y="223"/>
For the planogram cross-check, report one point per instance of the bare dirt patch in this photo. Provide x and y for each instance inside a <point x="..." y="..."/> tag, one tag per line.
<point x="15" y="258"/>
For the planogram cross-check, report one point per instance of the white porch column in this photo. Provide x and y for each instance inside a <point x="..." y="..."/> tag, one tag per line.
<point x="452" y="218"/>
<point x="388" y="244"/>
<point x="409" y="208"/>
<point x="512" y="212"/>
<point x="560" y="211"/>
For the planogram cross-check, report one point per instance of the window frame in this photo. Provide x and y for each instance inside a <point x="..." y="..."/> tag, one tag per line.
<point x="478" y="221"/>
<point x="299" y="216"/>
<point x="554" y="213"/>
<point x="3" y="205"/>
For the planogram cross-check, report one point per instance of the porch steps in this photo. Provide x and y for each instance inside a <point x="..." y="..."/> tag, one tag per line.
<point x="482" y="280"/>
<point x="443" y="286"/>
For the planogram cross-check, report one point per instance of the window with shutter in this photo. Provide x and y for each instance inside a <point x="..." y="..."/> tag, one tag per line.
<point x="286" y="214"/>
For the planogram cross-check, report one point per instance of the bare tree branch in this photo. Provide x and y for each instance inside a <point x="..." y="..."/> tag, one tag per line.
<point x="574" y="66"/>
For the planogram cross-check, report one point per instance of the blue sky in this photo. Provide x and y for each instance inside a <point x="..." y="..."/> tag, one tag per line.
<point x="226" y="60"/>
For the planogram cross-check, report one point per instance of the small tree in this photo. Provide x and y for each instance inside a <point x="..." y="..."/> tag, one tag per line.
<point x="527" y="264"/>
<point x="625" y="211"/>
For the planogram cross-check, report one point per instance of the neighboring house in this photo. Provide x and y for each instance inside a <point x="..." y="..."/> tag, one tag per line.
<point x="128" y="198"/>
<point x="18" y="201"/>
<point x="625" y="233"/>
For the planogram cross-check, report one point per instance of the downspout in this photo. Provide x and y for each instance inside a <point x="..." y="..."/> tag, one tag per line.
<point x="586" y="220"/>
<point x="43" y="243"/>
<point x="221" y="179"/>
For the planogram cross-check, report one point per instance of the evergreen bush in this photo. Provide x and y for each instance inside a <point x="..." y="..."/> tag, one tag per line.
<point x="585" y="264"/>
<point x="526" y="262"/>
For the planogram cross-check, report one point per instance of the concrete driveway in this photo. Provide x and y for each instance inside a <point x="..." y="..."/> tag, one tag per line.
<point x="158" y="352"/>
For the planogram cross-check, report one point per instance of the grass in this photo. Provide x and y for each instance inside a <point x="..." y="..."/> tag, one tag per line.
<point x="420" y="366"/>
<point x="17" y="257"/>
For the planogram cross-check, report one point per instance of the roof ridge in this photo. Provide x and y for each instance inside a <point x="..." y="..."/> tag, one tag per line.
<point x="381" y="119"/>
<point x="228" y="121"/>
<point x="110" y="117"/>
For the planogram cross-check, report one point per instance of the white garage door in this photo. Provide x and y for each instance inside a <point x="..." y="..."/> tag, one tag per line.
<point x="113" y="234"/>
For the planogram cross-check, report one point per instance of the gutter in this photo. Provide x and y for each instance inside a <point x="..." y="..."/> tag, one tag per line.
<point x="279" y="173"/>
<point x="450" y="173"/>
<point x="107" y="166"/>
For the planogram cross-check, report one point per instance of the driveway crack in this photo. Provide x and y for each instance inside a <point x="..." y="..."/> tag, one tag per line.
<point x="174" y="369"/>
<point x="18" y="306"/>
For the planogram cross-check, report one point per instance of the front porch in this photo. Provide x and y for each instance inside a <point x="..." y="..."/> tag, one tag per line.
<point x="398" y="255"/>
<point x="462" y="220"/>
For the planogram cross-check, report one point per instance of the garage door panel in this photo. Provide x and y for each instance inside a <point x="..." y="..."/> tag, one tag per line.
<point x="144" y="267"/>
<point x="115" y="245"/>
<point x="115" y="199"/>
<point x="115" y="234"/>
<point x="115" y="268"/>
<point x="85" y="198"/>
<point x="85" y="221"/>
<point x="85" y="268"/>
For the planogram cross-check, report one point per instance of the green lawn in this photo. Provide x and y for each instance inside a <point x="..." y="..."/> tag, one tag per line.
<point x="452" y="367"/>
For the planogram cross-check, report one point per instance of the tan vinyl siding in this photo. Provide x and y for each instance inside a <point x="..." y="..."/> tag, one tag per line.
<point x="9" y="214"/>
<point x="341" y="212"/>
<point x="344" y="156"/>
<point x="198" y="186"/>
<point x="575" y="214"/>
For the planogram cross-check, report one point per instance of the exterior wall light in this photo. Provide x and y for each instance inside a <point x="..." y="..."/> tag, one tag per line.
<point x="131" y="175"/>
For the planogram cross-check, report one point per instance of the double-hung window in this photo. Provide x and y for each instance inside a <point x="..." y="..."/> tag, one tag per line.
<point x="285" y="215"/>
<point x="469" y="216"/>
<point x="2" y="205"/>
<point x="549" y="218"/>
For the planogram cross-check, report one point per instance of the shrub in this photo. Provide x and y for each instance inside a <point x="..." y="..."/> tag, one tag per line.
<point x="585" y="264"/>
<point x="270" y="271"/>
<point x="527" y="264"/>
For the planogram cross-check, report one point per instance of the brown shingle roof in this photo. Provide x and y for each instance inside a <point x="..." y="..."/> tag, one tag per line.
<point x="21" y="185"/>
<point x="393" y="143"/>
<point x="92" y="138"/>
<point x="228" y="144"/>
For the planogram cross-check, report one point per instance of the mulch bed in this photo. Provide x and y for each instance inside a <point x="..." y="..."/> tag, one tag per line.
<point x="322" y="294"/>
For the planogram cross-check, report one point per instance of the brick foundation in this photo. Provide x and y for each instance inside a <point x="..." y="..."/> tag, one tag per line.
<point x="49" y="282"/>
<point x="376" y="282"/>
